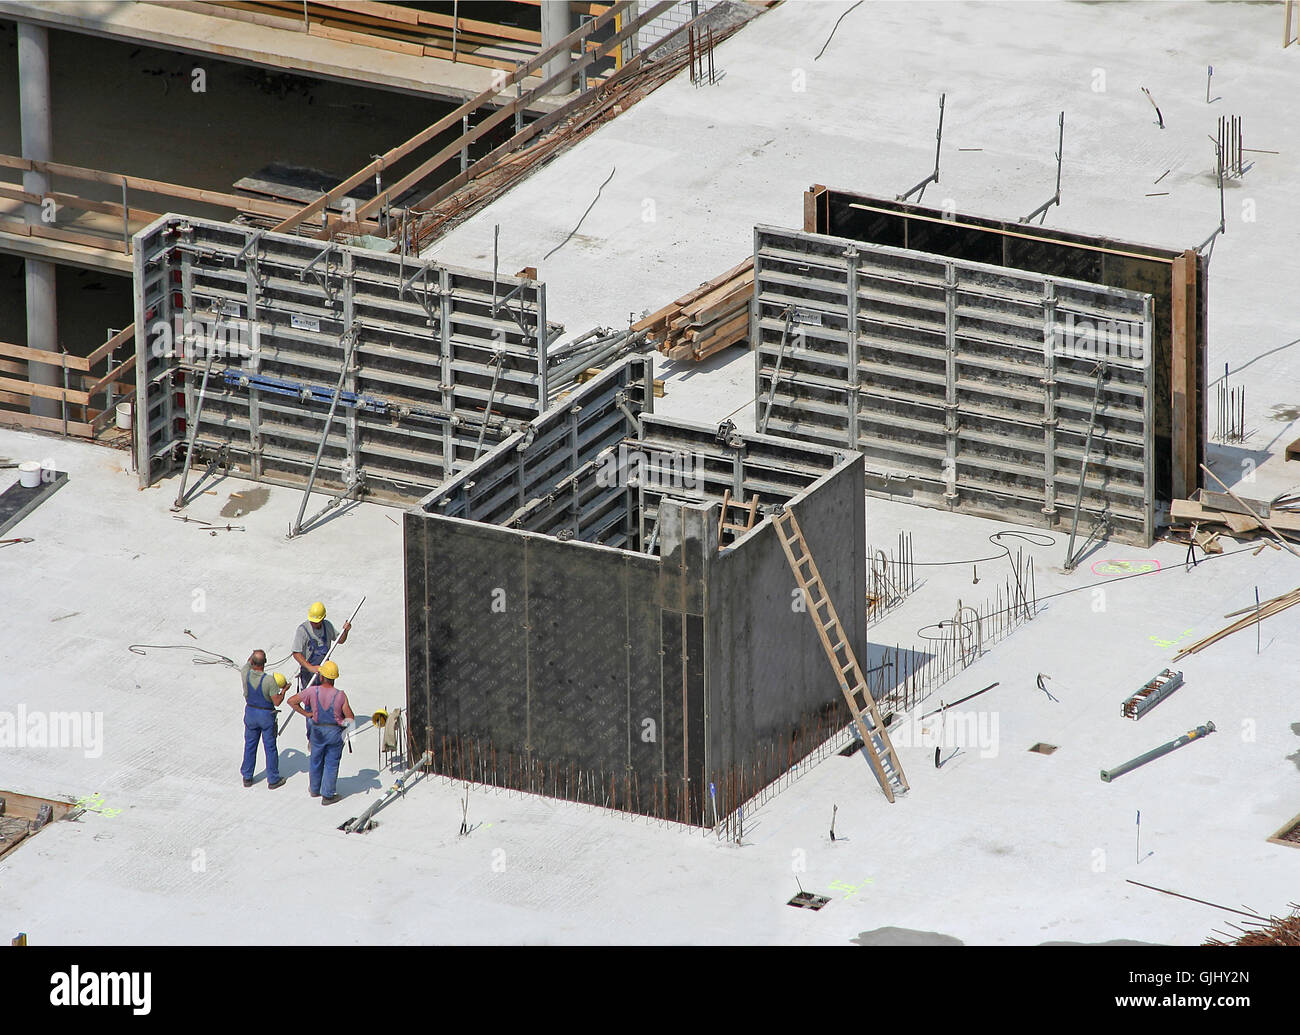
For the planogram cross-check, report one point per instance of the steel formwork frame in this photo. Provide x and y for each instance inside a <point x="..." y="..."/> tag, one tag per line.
<point x="965" y="385"/>
<point x="546" y="633"/>
<point x="442" y="362"/>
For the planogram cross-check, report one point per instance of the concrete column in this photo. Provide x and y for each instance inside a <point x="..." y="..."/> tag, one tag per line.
<point x="557" y="22"/>
<point x="37" y="134"/>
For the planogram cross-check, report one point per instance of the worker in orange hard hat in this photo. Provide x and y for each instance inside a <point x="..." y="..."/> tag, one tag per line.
<point x="263" y="692"/>
<point x="328" y="716"/>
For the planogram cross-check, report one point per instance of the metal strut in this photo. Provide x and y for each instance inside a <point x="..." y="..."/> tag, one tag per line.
<point x="194" y="434"/>
<point x="776" y="372"/>
<point x="1055" y="199"/>
<point x="499" y="361"/>
<point x="1070" y="559"/>
<point x="349" y="341"/>
<point x="934" y="176"/>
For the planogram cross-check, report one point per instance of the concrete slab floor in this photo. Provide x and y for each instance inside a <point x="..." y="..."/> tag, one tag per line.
<point x="1010" y="848"/>
<point x="1001" y="845"/>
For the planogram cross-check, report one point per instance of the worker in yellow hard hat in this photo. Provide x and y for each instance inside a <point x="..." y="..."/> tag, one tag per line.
<point x="263" y="692"/>
<point x="328" y="716"/>
<point x="313" y="640"/>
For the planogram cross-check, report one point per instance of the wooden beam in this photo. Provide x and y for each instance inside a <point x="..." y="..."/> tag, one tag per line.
<point x="45" y="391"/>
<point x="446" y="122"/>
<point x="54" y="359"/>
<point x="112" y="375"/>
<point x="140" y="183"/>
<point x="120" y="338"/>
<point x="1182" y="375"/>
<point x="1008" y="233"/>
<point x="38" y="423"/>
<point x="1240" y="502"/>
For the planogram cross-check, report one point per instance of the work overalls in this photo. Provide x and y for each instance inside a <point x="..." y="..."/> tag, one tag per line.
<point x="326" y="741"/>
<point x="315" y="653"/>
<point x="259" y="724"/>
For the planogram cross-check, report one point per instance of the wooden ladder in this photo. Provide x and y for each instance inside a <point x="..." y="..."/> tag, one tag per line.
<point x="725" y="524"/>
<point x="880" y="750"/>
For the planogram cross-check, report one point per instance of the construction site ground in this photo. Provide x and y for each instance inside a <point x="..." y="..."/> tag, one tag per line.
<point x="1002" y="845"/>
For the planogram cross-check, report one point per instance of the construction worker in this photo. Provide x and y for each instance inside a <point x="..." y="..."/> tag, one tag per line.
<point x="312" y="642"/>
<point x="263" y="692"/>
<point x="328" y="717"/>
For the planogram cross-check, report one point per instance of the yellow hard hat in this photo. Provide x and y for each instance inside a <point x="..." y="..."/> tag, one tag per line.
<point x="280" y="681"/>
<point x="329" y="670"/>
<point x="379" y="718"/>
<point x="316" y="612"/>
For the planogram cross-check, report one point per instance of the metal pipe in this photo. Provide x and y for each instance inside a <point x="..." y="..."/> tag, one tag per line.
<point x="1201" y="731"/>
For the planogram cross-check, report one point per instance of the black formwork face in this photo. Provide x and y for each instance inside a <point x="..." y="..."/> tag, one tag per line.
<point x="634" y="678"/>
<point x="1178" y="341"/>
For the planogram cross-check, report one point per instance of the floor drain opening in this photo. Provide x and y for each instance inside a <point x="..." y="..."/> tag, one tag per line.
<point x="22" y="815"/>
<point x="1043" y="749"/>
<point x="807" y="900"/>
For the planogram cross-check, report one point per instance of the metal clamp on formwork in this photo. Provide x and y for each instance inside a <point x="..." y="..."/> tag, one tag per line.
<point x="1156" y="690"/>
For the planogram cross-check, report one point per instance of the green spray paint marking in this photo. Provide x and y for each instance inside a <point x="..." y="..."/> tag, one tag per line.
<point x="95" y="803"/>
<point x="852" y="889"/>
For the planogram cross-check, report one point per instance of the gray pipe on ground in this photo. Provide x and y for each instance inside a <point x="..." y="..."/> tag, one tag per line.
<point x="1154" y="753"/>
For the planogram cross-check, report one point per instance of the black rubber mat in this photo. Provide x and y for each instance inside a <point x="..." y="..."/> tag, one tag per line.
<point x="17" y="502"/>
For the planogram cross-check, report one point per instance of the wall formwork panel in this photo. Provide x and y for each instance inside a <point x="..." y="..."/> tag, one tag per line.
<point x="633" y="676"/>
<point x="433" y="364"/>
<point x="964" y="385"/>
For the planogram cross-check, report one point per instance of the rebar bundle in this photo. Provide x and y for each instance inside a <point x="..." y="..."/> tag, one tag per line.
<point x="1231" y="421"/>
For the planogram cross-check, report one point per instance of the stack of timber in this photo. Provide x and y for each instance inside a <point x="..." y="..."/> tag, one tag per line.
<point x="706" y="320"/>
<point x="1250" y="616"/>
<point x="393" y="27"/>
<point x="1214" y="515"/>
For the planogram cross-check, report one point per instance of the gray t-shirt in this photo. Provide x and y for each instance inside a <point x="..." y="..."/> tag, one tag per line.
<point x="247" y="675"/>
<point x="305" y="634"/>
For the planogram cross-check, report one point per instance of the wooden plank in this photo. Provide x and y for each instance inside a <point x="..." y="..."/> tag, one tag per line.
<point x="330" y="30"/>
<point x="37" y="423"/>
<point x="54" y="359"/>
<point x="73" y="201"/>
<point x="447" y="121"/>
<point x="1293" y="450"/>
<point x="1183" y="451"/>
<point x="121" y="368"/>
<point x="140" y="183"/>
<point x="116" y="341"/>
<point x="1276" y="534"/>
<point x="1007" y="233"/>
<point x="453" y="149"/>
<point x="810" y="199"/>
<point x="45" y="391"/>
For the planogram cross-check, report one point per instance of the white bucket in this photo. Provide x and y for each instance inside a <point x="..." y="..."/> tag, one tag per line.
<point x="29" y="474"/>
<point x="124" y="416"/>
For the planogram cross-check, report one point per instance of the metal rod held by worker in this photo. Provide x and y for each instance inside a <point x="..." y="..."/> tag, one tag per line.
<point x="316" y="675"/>
<point x="1201" y="731"/>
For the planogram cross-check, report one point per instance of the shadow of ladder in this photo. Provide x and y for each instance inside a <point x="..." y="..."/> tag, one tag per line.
<point x="880" y="750"/>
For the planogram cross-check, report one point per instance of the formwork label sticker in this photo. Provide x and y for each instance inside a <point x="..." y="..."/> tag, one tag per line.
<point x="304" y="323"/>
<point x="1119" y="567"/>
